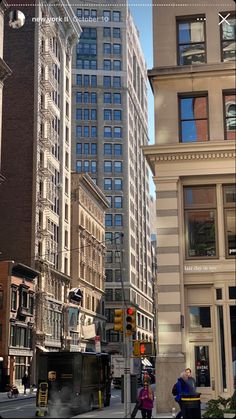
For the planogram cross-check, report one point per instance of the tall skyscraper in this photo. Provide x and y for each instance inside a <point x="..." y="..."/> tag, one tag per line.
<point x="193" y="162"/>
<point x="36" y="149"/>
<point x="108" y="129"/>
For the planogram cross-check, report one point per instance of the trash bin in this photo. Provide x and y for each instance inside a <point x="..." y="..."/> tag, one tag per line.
<point x="191" y="406"/>
<point x="133" y="388"/>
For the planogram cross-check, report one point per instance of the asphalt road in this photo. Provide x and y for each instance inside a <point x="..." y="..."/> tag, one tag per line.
<point x="18" y="408"/>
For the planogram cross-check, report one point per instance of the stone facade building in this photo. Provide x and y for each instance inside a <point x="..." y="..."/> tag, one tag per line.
<point x="108" y="129"/>
<point x="17" y="322"/>
<point x="193" y="163"/>
<point x="36" y="149"/>
<point x="88" y="256"/>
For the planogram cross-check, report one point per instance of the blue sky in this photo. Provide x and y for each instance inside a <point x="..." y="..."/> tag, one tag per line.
<point x="143" y="20"/>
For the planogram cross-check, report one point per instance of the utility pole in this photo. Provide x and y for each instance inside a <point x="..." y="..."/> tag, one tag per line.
<point x="127" y="393"/>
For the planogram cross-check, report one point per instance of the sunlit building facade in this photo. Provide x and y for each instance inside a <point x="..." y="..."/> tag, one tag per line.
<point x="193" y="162"/>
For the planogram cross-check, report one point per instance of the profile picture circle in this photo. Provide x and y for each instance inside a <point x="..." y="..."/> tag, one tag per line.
<point x="16" y="19"/>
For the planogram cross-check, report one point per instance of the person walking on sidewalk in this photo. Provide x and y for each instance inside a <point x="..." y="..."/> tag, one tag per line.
<point x="183" y="389"/>
<point x="25" y="381"/>
<point x="146" y="398"/>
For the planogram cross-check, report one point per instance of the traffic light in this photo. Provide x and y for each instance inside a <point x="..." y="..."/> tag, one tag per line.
<point x="130" y="324"/>
<point x="118" y="320"/>
<point x="146" y="348"/>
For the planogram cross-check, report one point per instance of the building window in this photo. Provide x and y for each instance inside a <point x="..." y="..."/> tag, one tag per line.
<point x="118" y="202"/>
<point x="118" y="184"/>
<point x="106" y="15"/>
<point x="118" y="256"/>
<point x="107" y="149"/>
<point x="106" y="32"/>
<point x="107" y="65"/>
<point x="107" y="184"/>
<point x="117" y="81"/>
<point x="109" y="198"/>
<point x="107" y="115"/>
<point x="219" y="293"/>
<point x="191" y="41"/>
<point x="117" y="115"/>
<point x="116" y="65"/>
<point x="116" y="32"/>
<point x="116" y="16"/>
<point x="109" y="294"/>
<point x="79" y="79"/>
<point x="199" y="317"/>
<point x="117" y="167"/>
<point x="228" y="37"/>
<point x="107" y="132"/>
<point x="118" y="220"/>
<point x="117" y="98"/>
<point x="93" y="81"/>
<point x="106" y="81"/>
<point x="118" y="275"/>
<point x="232" y="293"/>
<point x="230" y="115"/>
<point x="117" y="149"/>
<point x="106" y="49"/>
<point x="107" y="98"/>
<point x="230" y="219"/>
<point x="79" y="166"/>
<point x="200" y="221"/>
<point x="107" y="166"/>
<point x="193" y="112"/>
<point x="117" y="49"/>
<point x="108" y="220"/>
<point x="93" y="149"/>
<point x="109" y="275"/>
<point x="108" y="238"/>
<point x="118" y="294"/>
<point x="13" y="299"/>
<point x="117" y="132"/>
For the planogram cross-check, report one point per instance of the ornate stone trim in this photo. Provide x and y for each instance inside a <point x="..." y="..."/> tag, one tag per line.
<point x="194" y="156"/>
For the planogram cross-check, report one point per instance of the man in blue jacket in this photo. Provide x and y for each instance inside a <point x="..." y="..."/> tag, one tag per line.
<point x="183" y="389"/>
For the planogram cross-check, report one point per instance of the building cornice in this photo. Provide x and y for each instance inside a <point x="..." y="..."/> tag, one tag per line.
<point x="191" y="71"/>
<point x="212" y="150"/>
<point x="5" y="71"/>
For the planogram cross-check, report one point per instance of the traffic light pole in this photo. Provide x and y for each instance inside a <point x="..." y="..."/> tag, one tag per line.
<point x="127" y="392"/>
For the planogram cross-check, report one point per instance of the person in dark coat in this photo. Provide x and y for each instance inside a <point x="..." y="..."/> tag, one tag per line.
<point x="183" y="389"/>
<point x="25" y="381"/>
<point x="191" y="381"/>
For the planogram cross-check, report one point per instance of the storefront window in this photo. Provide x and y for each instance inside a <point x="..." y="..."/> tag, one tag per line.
<point x="202" y="366"/>
<point x="200" y="317"/>
<point x="230" y="219"/>
<point x="200" y="221"/>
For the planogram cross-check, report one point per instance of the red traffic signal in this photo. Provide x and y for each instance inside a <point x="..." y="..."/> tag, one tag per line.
<point x="130" y="320"/>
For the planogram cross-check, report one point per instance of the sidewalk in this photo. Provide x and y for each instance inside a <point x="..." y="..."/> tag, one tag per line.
<point x="21" y="396"/>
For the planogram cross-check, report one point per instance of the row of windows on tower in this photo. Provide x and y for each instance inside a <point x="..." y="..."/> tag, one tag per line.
<point x="91" y="114"/>
<point x="107" y="15"/>
<point x="91" y="149"/>
<point x="85" y="80"/>
<point x="91" y="166"/>
<point x="91" y="97"/>
<point x="88" y="48"/>
<point x="91" y="64"/>
<point x="108" y="32"/>
<point x="108" y="132"/>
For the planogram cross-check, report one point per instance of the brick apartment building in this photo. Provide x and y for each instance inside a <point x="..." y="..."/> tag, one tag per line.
<point x="17" y="321"/>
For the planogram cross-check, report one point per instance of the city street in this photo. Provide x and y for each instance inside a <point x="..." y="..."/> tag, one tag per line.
<point x="25" y="408"/>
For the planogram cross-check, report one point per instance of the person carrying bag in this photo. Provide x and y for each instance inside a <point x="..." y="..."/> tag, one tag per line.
<point x="145" y="400"/>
